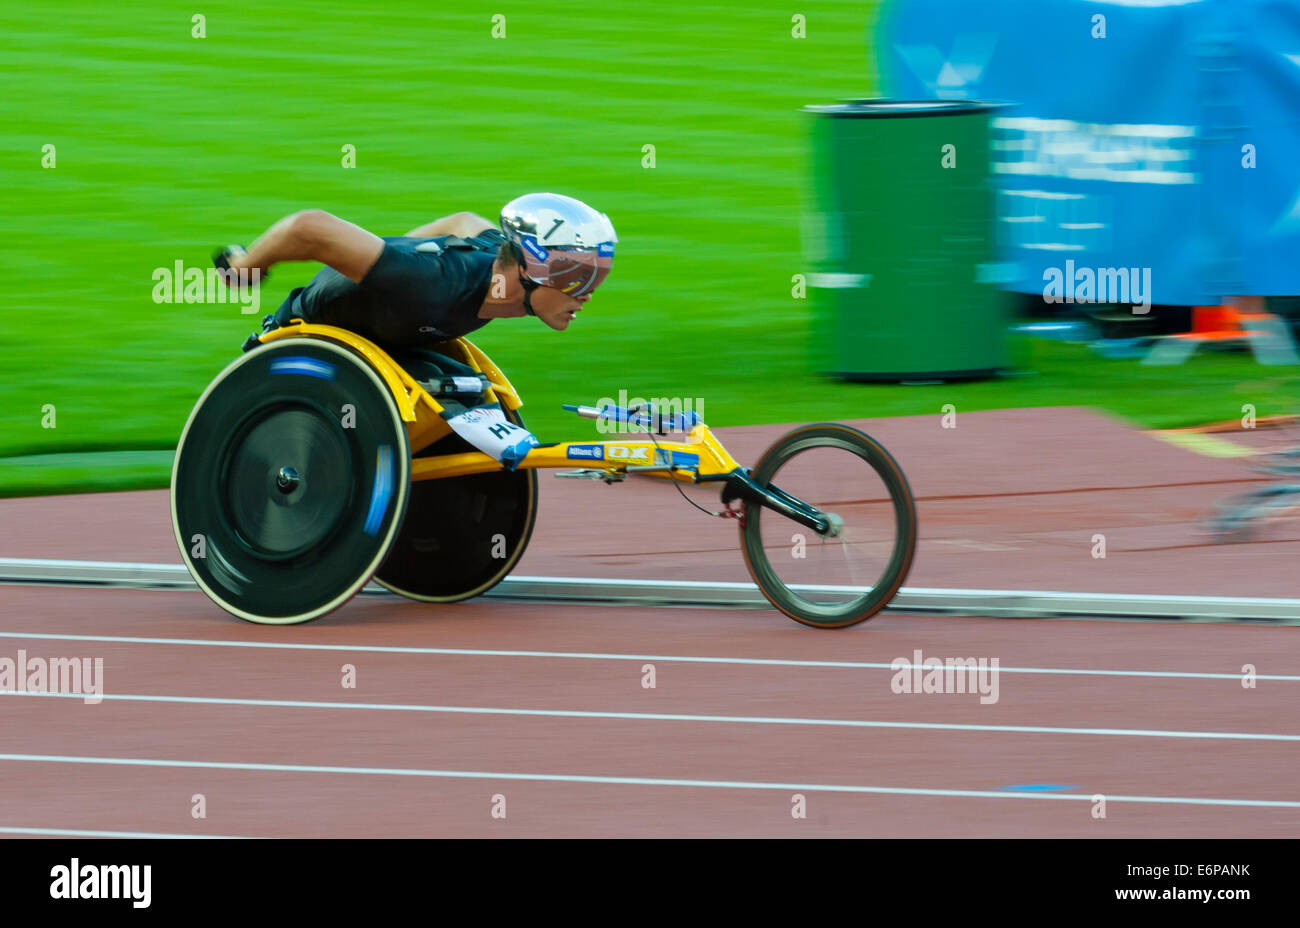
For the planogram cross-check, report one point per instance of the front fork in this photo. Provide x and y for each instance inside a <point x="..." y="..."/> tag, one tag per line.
<point x="739" y="485"/>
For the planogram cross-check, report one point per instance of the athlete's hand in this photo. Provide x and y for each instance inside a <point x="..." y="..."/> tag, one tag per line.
<point x="229" y="261"/>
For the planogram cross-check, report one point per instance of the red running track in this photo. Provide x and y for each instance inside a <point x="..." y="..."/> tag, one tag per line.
<point x="546" y="707"/>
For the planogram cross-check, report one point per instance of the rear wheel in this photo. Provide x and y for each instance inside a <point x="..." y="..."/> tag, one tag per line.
<point x="855" y="569"/>
<point x="290" y="481"/>
<point x="462" y="535"/>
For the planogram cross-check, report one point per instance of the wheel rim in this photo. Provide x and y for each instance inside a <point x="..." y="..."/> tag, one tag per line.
<point x="282" y="513"/>
<point x="846" y="575"/>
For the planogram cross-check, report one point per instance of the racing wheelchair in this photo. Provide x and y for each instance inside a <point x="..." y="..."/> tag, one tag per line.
<point x="318" y="460"/>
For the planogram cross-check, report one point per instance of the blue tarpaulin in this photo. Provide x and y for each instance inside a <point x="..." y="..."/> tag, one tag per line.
<point x="1140" y="134"/>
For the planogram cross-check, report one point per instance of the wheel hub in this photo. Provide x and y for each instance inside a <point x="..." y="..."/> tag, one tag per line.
<point x="287" y="479"/>
<point x="281" y="509"/>
<point x="834" y="525"/>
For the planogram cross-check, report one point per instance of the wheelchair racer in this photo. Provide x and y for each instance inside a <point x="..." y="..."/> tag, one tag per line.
<point x="441" y="280"/>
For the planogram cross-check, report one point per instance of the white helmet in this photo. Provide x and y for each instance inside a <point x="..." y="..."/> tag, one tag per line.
<point x="563" y="243"/>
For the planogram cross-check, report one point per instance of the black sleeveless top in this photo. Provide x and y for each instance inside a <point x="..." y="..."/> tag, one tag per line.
<point x="420" y="291"/>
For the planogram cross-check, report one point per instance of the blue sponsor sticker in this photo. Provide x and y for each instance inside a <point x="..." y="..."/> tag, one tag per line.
<point x="300" y="365"/>
<point x="536" y="250"/>
<point x="586" y="452"/>
<point x="605" y="250"/>
<point x="676" y="458"/>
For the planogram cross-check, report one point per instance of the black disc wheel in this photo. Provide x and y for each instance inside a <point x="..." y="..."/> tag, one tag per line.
<point x="851" y="571"/>
<point x="290" y="481"/>
<point x="462" y="535"/>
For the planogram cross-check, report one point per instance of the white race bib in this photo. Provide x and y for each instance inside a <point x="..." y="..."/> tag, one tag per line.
<point x="486" y="428"/>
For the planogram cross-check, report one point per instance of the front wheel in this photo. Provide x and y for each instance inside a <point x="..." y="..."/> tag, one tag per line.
<point x="854" y="569"/>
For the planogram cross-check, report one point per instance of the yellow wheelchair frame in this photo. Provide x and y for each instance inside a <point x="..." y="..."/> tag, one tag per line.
<point x="422" y="414"/>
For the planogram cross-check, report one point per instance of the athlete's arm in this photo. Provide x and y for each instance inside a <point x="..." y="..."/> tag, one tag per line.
<point x="463" y="224"/>
<point x="315" y="235"/>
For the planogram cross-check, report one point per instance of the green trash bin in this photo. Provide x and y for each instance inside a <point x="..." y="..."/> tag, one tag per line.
<point x="902" y="274"/>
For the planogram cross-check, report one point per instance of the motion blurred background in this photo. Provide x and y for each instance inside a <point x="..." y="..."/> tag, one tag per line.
<point x="167" y="145"/>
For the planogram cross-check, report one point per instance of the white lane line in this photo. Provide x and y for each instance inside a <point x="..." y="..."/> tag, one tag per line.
<point x="89" y="833"/>
<point x="636" y="781"/>
<point x="665" y="717"/>
<point x="599" y="656"/>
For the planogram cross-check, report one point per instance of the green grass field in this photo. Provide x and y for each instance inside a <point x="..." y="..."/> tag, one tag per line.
<point x="167" y="145"/>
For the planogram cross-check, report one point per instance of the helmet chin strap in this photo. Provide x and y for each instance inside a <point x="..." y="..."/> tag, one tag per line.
<point x="529" y="286"/>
